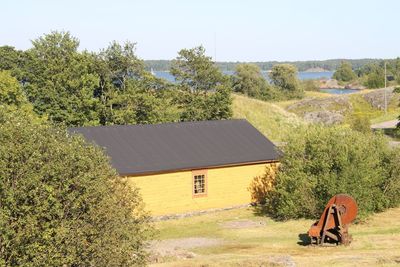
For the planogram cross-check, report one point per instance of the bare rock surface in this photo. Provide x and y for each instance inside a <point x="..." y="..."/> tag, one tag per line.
<point x="385" y="124"/>
<point x="329" y="110"/>
<point x="377" y="97"/>
<point x="324" y="116"/>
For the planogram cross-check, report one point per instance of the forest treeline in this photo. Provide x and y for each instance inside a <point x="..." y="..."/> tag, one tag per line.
<point x="79" y="88"/>
<point x="329" y="65"/>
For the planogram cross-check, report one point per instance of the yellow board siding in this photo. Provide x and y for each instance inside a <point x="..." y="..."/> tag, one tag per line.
<point x="171" y="193"/>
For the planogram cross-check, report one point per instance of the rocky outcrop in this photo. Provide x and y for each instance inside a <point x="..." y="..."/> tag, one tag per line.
<point x="325" y="117"/>
<point x="328" y="111"/>
<point x="330" y="84"/>
<point x="377" y="97"/>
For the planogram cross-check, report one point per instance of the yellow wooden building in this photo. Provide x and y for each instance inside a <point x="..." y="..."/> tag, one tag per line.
<point x="188" y="166"/>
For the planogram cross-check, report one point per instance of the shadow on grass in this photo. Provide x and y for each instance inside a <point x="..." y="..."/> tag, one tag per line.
<point x="393" y="133"/>
<point x="304" y="240"/>
<point x="260" y="210"/>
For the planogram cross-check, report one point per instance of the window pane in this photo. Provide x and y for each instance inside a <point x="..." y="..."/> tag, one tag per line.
<point x="199" y="184"/>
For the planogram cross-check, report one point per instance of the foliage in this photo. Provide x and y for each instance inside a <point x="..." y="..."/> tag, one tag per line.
<point x="375" y="78"/>
<point x="261" y="185"/>
<point x="360" y="123"/>
<point x="196" y="71"/>
<point x="320" y="162"/>
<point x="128" y="94"/>
<point x="344" y="72"/>
<point x="284" y="77"/>
<point x="249" y="81"/>
<point x="60" y="82"/>
<point x="206" y="92"/>
<point x="12" y="60"/>
<point x="328" y="65"/>
<point x="76" y="88"/>
<point x="61" y="202"/>
<point x="310" y="85"/>
<point x="10" y="90"/>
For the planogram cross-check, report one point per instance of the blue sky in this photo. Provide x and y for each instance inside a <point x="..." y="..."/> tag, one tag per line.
<point x="252" y="30"/>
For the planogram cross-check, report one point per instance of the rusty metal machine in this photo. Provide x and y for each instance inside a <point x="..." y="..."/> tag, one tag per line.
<point x="332" y="227"/>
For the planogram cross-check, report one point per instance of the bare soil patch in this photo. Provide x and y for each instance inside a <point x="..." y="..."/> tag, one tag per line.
<point x="179" y="248"/>
<point x="240" y="224"/>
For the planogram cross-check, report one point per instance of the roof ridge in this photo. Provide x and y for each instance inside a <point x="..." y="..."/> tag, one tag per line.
<point x="158" y="124"/>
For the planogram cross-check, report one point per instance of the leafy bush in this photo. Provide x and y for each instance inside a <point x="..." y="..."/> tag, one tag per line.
<point x="10" y="90"/>
<point x="261" y="185"/>
<point x="344" y="73"/>
<point x="374" y="80"/>
<point x="320" y="162"/>
<point x="61" y="202"/>
<point x="360" y="123"/>
<point x="284" y="78"/>
<point x="310" y="85"/>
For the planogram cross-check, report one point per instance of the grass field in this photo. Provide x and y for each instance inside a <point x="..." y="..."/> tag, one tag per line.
<point x="274" y="121"/>
<point x="259" y="241"/>
<point x="269" y="118"/>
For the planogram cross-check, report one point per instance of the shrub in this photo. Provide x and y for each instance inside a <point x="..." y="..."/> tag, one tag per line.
<point x="375" y="80"/>
<point x="261" y="185"/>
<point x="320" y="162"/>
<point x="310" y="85"/>
<point x="360" y="123"/>
<point x="61" y="202"/>
<point x="284" y="78"/>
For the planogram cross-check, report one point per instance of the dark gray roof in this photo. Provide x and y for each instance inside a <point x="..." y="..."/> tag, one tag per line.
<point x="139" y="149"/>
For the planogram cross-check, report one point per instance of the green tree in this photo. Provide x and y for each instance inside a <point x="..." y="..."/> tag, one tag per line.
<point x="249" y="80"/>
<point x="319" y="162"/>
<point x="12" y="60"/>
<point x="375" y="77"/>
<point x="128" y="93"/>
<point x="10" y="90"/>
<point x="344" y="72"/>
<point x="61" y="81"/>
<point x="196" y="71"/>
<point x="396" y="70"/>
<point x="205" y="90"/>
<point x="284" y="77"/>
<point x="61" y="202"/>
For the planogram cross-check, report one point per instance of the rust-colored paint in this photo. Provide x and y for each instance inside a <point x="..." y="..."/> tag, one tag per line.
<point x="339" y="212"/>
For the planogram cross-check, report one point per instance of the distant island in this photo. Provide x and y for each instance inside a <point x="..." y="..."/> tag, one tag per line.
<point x="317" y="69"/>
<point x="304" y="66"/>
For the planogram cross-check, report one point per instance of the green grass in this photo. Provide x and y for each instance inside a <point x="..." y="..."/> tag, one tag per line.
<point x="269" y="118"/>
<point x="376" y="242"/>
<point x="358" y="106"/>
<point x="361" y="106"/>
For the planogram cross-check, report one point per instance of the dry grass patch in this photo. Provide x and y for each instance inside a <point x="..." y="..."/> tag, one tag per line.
<point x="376" y="242"/>
<point x="270" y="119"/>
